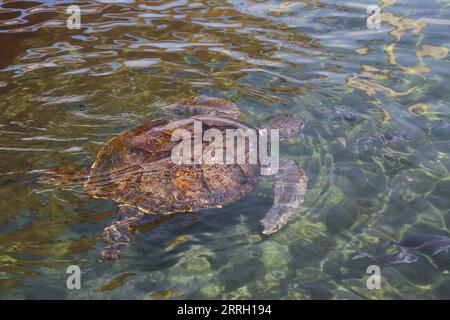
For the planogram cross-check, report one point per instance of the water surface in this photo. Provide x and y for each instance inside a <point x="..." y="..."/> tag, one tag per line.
<point x="379" y="172"/>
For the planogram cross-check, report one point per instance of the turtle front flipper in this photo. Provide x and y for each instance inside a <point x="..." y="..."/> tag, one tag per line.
<point x="117" y="235"/>
<point x="205" y="106"/>
<point x="290" y="189"/>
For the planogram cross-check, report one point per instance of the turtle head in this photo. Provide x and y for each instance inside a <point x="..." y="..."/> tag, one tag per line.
<point x="288" y="125"/>
<point x="205" y="106"/>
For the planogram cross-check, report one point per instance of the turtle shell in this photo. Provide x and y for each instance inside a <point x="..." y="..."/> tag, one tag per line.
<point x="135" y="168"/>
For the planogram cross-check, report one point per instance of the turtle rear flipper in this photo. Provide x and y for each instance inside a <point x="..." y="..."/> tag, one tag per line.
<point x="290" y="189"/>
<point x="117" y="235"/>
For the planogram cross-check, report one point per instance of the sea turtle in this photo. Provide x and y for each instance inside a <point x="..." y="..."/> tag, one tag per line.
<point x="135" y="170"/>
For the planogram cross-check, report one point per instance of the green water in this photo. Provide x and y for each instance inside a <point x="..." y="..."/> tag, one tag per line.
<point x="64" y="93"/>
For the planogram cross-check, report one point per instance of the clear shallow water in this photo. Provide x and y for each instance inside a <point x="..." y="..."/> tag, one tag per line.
<point x="64" y="93"/>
